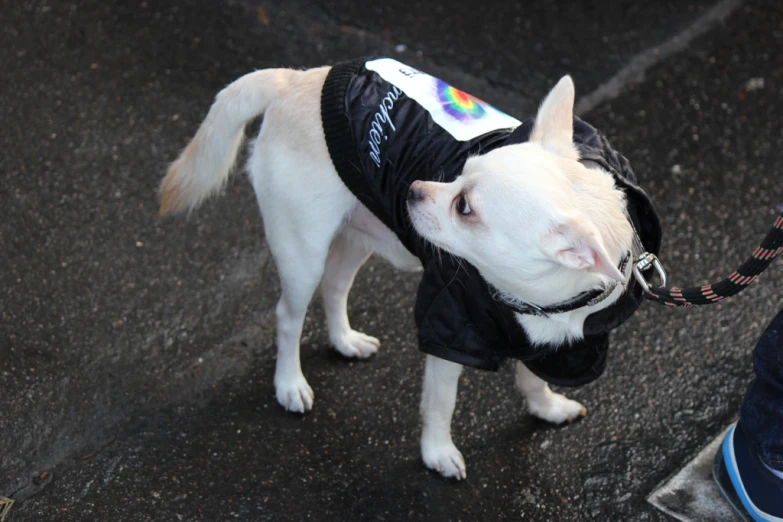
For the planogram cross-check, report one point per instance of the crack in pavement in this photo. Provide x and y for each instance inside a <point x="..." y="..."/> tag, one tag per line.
<point x="635" y="71"/>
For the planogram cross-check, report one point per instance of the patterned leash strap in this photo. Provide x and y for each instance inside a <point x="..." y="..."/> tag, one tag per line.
<point x="701" y="295"/>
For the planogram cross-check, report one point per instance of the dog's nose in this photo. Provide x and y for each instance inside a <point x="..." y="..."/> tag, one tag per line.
<point x="416" y="192"/>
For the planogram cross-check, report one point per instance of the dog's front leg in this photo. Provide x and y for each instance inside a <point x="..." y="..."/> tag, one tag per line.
<point x="438" y="399"/>
<point x="541" y="401"/>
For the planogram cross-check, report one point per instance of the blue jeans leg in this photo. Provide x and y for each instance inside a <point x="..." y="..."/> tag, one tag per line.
<point x="761" y="413"/>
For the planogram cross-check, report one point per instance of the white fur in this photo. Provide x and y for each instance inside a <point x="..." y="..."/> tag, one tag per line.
<point x="541" y="402"/>
<point x="543" y="228"/>
<point x="438" y="398"/>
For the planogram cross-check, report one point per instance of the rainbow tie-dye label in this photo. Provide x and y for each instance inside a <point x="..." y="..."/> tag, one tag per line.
<point x="463" y="116"/>
<point x="459" y="104"/>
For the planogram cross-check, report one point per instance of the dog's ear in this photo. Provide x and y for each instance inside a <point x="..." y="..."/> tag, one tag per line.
<point x="576" y="244"/>
<point x="554" y="127"/>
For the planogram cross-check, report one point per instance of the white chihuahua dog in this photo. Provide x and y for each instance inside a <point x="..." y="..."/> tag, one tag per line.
<point x="538" y="225"/>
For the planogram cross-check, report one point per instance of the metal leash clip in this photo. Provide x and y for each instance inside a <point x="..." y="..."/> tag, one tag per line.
<point x="645" y="262"/>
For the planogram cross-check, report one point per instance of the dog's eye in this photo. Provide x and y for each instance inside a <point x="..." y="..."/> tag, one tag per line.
<point x="462" y="205"/>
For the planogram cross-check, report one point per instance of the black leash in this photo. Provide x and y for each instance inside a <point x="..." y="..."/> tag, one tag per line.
<point x="736" y="282"/>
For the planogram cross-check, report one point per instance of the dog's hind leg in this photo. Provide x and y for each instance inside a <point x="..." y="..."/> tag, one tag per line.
<point x="305" y="205"/>
<point x="349" y="250"/>
<point x="299" y="275"/>
<point x="299" y="231"/>
<point x="541" y="401"/>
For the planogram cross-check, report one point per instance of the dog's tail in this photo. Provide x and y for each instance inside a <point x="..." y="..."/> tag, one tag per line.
<point x="205" y="164"/>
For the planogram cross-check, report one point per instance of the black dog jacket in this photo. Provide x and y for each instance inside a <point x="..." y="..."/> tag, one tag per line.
<point x="387" y="125"/>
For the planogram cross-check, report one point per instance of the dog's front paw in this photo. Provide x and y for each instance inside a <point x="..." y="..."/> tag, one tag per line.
<point x="445" y="459"/>
<point x="356" y="344"/>
<point x="556" y="408"/>
<point x="294" y="394"/>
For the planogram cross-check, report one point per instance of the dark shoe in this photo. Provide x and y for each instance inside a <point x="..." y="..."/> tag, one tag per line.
<point x="746" y="483"/>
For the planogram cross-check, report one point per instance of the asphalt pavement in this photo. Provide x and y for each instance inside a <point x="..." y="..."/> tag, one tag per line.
<point x="137" y="355"/>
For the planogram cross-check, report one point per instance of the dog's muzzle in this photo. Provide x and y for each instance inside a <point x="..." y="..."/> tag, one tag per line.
<point x="416" y="192"/>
